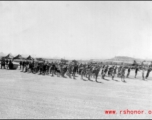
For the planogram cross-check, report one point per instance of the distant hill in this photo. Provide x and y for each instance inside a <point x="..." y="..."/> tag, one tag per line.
<point x="125" y="58"/>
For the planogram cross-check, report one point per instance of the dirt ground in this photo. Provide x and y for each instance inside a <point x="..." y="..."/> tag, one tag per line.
<point x="26" y="95"/>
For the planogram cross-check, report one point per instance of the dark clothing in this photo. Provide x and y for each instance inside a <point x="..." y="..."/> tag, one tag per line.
<point x="74" y="69"/>
<point x="3" y="64"/>
<point x="10" y="65"/>
<point x="136" y="70"/>
<point x="21" y="63"/>
<point x="6" y="61"/>
<point x="53" y="67"/>
<point x="128" y="72"/>
<point x="44" y="68"/>
<point x="147" y="75"/>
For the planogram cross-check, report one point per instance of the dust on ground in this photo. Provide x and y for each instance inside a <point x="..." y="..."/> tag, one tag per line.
<point x="26" y="95"/>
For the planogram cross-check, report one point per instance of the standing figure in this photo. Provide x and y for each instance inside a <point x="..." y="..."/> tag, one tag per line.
<point x="53" y="69"/>
<point x="41" y="68"/>
<point x="69" y="70"/>
<point x="89" y="72"/>
<point x="64" y="70"/>
<point x="122" y="74"/>
<point x="114" y="71"/>
<point x="136" y="70"/>
<point x="110" y="71"/>
<point x="21" y="63"/>
<point x="26" y="66"/>
<point x="23" y="66"/>
<point x="47" y="68"/>
<point x="10" y="65"/>
<point x="148" y="71"/>
<point x="44" y="68"/>
<point x="105" y="69"/>
<point x="143" y="71"/>
<point x="82" y="71"/>
<point x="129" y="68"/>
<point x="7" y="67"/>
<point x="3" y="63"/>
<point x="74" y="70"/>
<point x="102" y="67"/>
<point x="119" y="71"/>
<point x="58" y="69"/>
<point x="96" y="72"/>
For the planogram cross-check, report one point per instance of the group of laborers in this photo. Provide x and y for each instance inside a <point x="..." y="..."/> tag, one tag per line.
<point x="6" y="64"/>
<point x="84" y="70"/>
<point x="106" y="70"/>
<point x="45" y="68"/>
<point x="120" y="71"/>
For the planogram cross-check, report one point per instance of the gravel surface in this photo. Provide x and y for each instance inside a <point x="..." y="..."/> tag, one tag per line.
<point x="26" y="95"/>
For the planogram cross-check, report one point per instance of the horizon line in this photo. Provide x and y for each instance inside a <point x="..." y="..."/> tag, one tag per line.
<point x="71" y="58"/>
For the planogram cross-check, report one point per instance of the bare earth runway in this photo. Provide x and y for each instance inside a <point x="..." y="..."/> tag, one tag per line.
<point x="25" y="95"/>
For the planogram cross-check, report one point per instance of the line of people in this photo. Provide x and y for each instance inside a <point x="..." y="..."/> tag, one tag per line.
<point x="121" y="70"/>
<point x="84" y="70"/>
<point x="46" y="68"/>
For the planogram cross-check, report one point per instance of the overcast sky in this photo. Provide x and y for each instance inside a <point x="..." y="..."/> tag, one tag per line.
<point x="76" y="29"/>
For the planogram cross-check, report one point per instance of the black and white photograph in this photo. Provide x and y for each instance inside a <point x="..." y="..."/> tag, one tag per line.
<point x="75" y="59"/>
